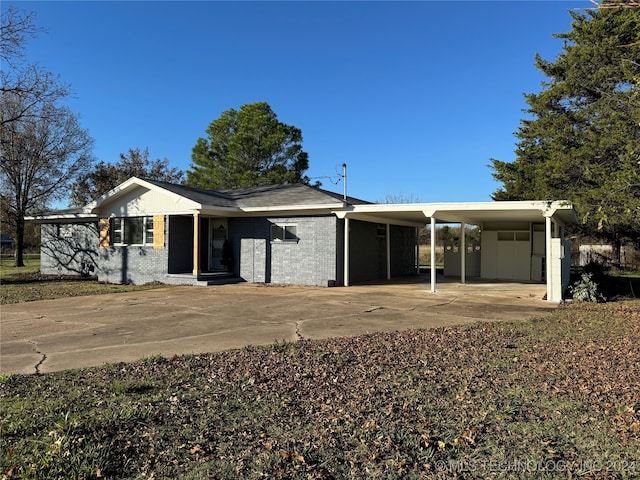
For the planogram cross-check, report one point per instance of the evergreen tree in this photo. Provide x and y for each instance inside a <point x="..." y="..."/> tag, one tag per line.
<point x="582" y="140"/>
<point x="248" y="147"/>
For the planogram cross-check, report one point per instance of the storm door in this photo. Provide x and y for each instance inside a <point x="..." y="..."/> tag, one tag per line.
<point x="217" y="238"/>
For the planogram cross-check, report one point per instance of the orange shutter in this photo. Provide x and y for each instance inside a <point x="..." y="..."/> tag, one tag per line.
<point x="158" y="232"/>
<point x="105" y="240"/>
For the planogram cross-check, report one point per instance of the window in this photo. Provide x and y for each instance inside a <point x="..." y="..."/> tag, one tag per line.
<point x="511" y="236"/>
<point x="64" y="230"/>
<point x="284" y="233"/>
<point x="132" y="231"/>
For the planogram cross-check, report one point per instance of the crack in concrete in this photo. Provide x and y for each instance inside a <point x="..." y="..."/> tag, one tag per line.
<point x="298" y="334"/>
<point x="44" y="357"/>
<point x="373" y="309"/>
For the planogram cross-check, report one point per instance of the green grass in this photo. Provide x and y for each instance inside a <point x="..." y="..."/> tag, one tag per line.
<point x="8" y="270"/>
<point x="554" y="397"/>
<point x="425" y="256"/>
<point x="26" y="284"/>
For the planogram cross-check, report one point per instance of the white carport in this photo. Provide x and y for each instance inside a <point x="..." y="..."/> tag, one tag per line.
<point x="495" y="219"/>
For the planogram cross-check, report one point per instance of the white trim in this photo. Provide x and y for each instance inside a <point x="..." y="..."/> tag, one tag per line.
<point x="346" y="251"/>
<point x="463" y="253"/>
<point x="64" y="216"/>
<point x="477" y="213"/>
<point x="292" y="208"/>
<point x="433" y="254"/>
<point x="548" y="263"/>
<point x="377" y="219"/>
<point x="196" y="245"/>
<point x="388" y="239"/>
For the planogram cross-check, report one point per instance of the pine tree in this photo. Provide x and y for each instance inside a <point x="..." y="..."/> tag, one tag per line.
<point x="582" y="140"/>
<point x="248" y="147"/>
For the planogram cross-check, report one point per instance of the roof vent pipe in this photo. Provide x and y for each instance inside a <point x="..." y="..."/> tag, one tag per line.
<point x="344" y="177"/>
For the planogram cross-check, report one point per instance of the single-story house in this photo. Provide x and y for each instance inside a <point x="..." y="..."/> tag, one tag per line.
<point x="145" y="231"/>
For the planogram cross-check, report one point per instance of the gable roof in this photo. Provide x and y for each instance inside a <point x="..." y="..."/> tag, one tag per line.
<point x="287" y="194"/>
<point x="263" y="196"/>
<point x="204" y="197"/>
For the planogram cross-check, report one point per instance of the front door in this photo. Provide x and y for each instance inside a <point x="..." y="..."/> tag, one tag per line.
<point x="217" y="237"/>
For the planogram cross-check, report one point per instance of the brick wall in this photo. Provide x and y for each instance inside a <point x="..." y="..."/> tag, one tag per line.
<point x="69" y="249"/>
<point x="133" y="265"/>
<point x="310" y="260"/>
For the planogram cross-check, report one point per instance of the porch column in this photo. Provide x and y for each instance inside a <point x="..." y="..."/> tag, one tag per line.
<point x="417" y="250"/>
<point x="388" y="252"/>
<point x="547" y="260"/>
<point x="463" y="253"/>
<point x="346" y="251"/>
<point x="433" y="255"/>
<point x="196" y="244"/>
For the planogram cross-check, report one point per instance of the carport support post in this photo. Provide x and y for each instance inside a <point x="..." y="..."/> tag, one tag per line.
<point x="548" y="263"/>
<point x="196" y="244"/>
<point x="388" y="252"/>
<point x="433" y="255"/>
<point x="463" y="253"/>
<point x="417" y="251"/>
<point x="346" y="251"/>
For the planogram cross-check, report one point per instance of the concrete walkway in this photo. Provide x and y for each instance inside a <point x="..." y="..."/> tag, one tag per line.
<point x="52" y="335"/>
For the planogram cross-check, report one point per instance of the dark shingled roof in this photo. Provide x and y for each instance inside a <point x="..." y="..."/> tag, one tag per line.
<point x="204" y="197"/>
<point x="262" y="196"/>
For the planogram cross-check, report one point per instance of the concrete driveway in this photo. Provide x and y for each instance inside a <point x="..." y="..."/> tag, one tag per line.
<point x="52" y="335"/>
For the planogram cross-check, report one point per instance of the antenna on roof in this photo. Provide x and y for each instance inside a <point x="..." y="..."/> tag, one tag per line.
<point x="344" y="177"/>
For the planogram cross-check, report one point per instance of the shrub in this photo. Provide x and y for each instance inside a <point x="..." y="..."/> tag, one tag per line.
<point x="586" y="289"/>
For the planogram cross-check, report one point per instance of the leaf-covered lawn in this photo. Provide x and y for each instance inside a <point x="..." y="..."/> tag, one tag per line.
<point x="534" y="399"/>
<point x="32" y="286"/>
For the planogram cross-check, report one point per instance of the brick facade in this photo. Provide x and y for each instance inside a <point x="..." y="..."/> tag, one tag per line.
<point x="133" y="265"/>
<point x="314" y="257"/>
<point x="309" y="260"/>
<point x="69" y="249"/>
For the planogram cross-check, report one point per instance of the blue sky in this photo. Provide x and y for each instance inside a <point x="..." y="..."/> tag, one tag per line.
<point x="415" y="97"/>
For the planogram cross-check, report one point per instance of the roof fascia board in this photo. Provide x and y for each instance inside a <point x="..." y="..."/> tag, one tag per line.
<point x="283" y="213"/>
<point x="564" y="208"/>
<point x="60" y="217"/>
<point x="450" y="217"/>
<point x="218" y="211"/>
<point x="292" y="208"/>
<point x="377" y="219"/>
<point x="384" y="220"/>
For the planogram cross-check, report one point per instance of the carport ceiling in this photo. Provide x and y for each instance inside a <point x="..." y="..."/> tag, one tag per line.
<point x="477" y="213"/>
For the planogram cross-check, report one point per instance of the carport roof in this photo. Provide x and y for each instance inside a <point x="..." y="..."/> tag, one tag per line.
<point x="473" y="213"/>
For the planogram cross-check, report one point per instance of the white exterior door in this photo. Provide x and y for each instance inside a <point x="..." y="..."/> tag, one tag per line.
<point x="514" y="254"/>
<point x="506" y="255"/>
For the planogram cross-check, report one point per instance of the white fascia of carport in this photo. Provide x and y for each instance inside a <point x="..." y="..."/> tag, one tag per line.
<point x="62" y="217"/>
